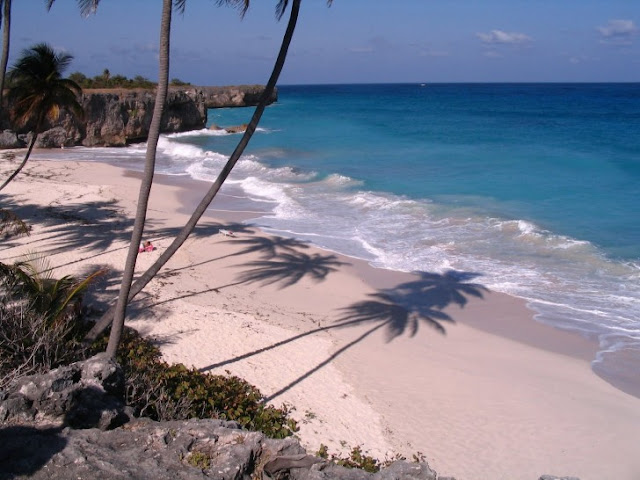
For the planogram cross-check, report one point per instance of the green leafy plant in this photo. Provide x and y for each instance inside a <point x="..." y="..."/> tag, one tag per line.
<point x="106" y="80"/>
<point x="170" y="392"/>
<point x="357" y="459"/>
<point x="32" y="281"/>
<point x="41" y="325"/>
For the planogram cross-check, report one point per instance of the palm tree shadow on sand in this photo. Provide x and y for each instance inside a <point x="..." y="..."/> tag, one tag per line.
<point x="284" y="269"/>
<point x="399" y="310"/>
<point x="266" y="247"/>
<point x="287" y="269"/>
<point x="402" y="308"/>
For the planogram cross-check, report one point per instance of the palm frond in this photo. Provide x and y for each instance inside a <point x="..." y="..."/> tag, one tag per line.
<point x="242" y="5"/>
<point x="38" y="89"/>
<point x="11" y="224"/>
<point x="179" y="5"/>
<point x="87" y="7"/>
<point x="281" y="7"/>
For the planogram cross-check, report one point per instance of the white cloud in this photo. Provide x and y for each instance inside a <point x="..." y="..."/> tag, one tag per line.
<point x="500" y="37"/>
<point x="619" y="32"/>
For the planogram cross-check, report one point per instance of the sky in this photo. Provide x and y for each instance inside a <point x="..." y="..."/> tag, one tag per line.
<point x="351" y="41"/>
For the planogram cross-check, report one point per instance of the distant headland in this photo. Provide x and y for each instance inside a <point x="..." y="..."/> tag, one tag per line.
<point x="115" y="117"/>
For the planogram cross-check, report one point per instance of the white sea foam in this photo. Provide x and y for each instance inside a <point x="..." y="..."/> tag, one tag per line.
<point x="205" y="132"/>
<point x="569" y="282"/>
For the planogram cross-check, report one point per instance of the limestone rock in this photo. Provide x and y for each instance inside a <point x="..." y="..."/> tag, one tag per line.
<point x="192" y="449"/>
<point x="55" y="138"/>
<point x="236" y="128"/>
<point x="9" y="139"/>
<point x="118" y="117"/>
<point x="82" y="395"/>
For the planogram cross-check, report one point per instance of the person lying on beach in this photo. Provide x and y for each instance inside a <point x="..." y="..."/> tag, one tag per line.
<point x="146" y="247"/>
<point x="226" y="233"/>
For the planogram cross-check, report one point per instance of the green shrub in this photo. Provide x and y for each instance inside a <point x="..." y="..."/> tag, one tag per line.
<point x="171" y="392"/>
<point x="355" y="459"/>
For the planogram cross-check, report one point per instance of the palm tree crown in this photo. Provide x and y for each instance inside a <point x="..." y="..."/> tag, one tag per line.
<point x="37" y="89"/>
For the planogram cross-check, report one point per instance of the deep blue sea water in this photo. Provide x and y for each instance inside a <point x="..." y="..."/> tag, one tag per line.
<point x="536" y="187"/>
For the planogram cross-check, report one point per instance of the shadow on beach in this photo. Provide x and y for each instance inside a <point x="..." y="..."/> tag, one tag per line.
<point x="398" y="310"/>
<point x="93" y="230"/>
<point x="282" y="263"/>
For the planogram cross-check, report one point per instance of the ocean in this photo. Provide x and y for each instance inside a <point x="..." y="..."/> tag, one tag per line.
<point x="534" y="188"/>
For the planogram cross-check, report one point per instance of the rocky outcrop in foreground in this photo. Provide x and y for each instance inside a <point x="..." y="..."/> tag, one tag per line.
<point x="70" y="423"/>
<point x="117" y="117"/>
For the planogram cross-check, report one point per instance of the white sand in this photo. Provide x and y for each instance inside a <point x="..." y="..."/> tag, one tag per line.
<point x="497" y="396"/>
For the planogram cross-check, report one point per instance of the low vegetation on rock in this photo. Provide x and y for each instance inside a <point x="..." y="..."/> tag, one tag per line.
<point x="106" y="80"/>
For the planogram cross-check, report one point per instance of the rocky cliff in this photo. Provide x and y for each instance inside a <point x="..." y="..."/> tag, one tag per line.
<point x="117" y="117"/>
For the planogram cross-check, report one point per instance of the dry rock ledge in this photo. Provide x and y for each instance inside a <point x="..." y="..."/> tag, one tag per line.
<point x="70" y="423"/>
<point x="118" y="117"/>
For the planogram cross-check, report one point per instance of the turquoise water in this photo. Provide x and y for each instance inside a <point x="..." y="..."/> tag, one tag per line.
<point x="535" y="187"/>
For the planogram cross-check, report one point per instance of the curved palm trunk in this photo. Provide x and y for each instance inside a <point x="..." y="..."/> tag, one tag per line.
<point x="5" y="46"/>
<point x="145" y="186"/>
<point x="26" y="157"/>
<point x="147" y="276"/>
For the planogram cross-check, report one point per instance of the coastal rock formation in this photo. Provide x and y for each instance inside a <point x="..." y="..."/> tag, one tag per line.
<point x="60" y="425"/>
<point x="71" y="423"/>
<point x="193" y="449"/>
<point x="117" y="117"/>
<point x="233" y="96"/>
<point x="81" y="395"/>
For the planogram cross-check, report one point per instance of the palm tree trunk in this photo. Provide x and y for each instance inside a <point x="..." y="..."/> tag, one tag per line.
<point x="147" y="276"/>
<point x="147" y="181"/>
<point x="5" y="46"/>
<point x="26" y="157"/>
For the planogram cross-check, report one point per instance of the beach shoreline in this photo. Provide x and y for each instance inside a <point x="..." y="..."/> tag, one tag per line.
<point x="478" y="371"/>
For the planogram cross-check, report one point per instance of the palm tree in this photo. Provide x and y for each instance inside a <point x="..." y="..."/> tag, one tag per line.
<point x="38" y="92"/>
<point x="120" y="312"/>
<point x="117" y="315"/>
<point x="87" y="7"/>
<point x="147" y="180"/>
<point x="5" y="14"/>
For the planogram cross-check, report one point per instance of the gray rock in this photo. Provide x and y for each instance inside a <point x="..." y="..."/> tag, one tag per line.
<point x="192" y="449"/>
<point x="9" y="139"/>
<point x="55" y="138"/>
<point x="83" y="395"/>
<point x="406" y="471"/>
<point x="117" y="117"/>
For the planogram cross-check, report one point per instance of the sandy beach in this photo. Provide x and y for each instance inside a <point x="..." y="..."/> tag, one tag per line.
<point x="396" y="363"/>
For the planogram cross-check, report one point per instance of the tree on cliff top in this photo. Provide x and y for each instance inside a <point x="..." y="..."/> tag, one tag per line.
<point x="38" y="92"/>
